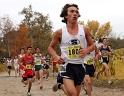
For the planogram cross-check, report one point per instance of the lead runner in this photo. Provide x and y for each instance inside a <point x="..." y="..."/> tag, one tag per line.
<point x="73" y="39"/>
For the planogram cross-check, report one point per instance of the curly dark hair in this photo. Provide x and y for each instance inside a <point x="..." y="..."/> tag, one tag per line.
<point x="22" y="49"/>
<point x="103" y="39"/>
<point x="64" y="11"/>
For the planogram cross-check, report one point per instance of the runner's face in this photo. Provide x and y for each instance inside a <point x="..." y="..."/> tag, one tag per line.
<point x="29" y="50"/>
<point x="22" y="51"/>
<point x="37" y="50"/>
<point x="73" y="14"/>
<point x="47" y="56"/>
<point x="105" y="41"/>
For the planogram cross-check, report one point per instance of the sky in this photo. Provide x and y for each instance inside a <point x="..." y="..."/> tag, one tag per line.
<point x="101" y="10"/>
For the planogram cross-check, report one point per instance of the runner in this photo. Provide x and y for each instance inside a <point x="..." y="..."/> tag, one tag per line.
<point x="90" y="69"/>
<point x="21" y="55"/>
<point x="47" y="65"/>
<point x="55" y="67"/>
<point x="16" y="65"/>
<point x="27" y="63"/>
<point x="9" y="65"/>
<point x="73" y="40"/>
<point x="105" y="52"/>
<point x="38" y="66"/>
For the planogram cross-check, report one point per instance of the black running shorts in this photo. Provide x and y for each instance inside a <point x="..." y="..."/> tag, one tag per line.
<point x="75" y="72"/>
<point x="89" y="70"/>
<point x="9" y="67"/>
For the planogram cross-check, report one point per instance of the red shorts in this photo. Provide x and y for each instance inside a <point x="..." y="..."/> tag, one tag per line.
<point x="54" y="63"/>
<point x="28" y="72"/>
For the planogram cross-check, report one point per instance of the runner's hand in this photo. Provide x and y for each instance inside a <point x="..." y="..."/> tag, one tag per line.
<point x="82" y="53"/>
<point x="59" y="59"/>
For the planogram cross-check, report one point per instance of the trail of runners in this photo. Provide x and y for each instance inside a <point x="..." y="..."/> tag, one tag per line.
<point x="12" y="86"/>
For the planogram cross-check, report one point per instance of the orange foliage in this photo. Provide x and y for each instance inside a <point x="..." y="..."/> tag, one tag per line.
<point x="20" y="39"/>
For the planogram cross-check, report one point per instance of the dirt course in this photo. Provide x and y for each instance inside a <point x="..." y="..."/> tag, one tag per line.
<point x="12" y="86"/>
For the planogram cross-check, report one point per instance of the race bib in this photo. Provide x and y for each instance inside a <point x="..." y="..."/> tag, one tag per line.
<point x="9" y="64"/>
<point x="105" y="55"/>
<point x="16" y="64"/>
<point x="89" y="61"/>
<point x="47" y="63"/>
<point x="73" y="51"/>
<point x="28" y="66"/>
<point x="38" y="61"/>
<point x="62" y="68"/>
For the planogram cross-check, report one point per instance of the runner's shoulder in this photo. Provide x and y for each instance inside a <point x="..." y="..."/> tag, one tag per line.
<point x="58" y="32"/>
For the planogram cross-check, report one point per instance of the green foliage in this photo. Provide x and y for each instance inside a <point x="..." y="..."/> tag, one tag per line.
<point x="40" y="28"/>
<point x="116" y="43"/>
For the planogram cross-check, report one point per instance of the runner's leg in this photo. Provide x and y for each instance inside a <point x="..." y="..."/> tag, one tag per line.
<point x="70" y="87"/>
<point x="40" y="78"/>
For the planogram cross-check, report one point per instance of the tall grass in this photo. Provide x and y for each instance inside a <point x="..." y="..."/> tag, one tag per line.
<point x="116" y="65"/>
<point x="3" y="67"/>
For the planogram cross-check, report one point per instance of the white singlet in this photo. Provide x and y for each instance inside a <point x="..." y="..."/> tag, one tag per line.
<point x="70" y="44"/>
<point x="9" y="62"/>
<point x="37" y="59"/>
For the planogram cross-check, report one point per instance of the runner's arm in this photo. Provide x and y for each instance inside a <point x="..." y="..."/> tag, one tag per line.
<point x="111" y="52"/>
<point x="56" y="38"/>
<point x="89" y="40"/>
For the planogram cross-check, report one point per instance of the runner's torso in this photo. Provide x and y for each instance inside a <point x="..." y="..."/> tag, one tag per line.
<point x="104" y="50"/>
<point x="70" y="44"/>
<point x="19" y="58"/>
<point x="15" y="62"/>
<point x="47" y="61"/>
<point x="28" y="61"/>
<point x="9" y="62"/>
<point x="37" y="59"/>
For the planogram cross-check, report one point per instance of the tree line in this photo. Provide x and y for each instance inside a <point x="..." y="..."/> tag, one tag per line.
<point x="36" y="30"/>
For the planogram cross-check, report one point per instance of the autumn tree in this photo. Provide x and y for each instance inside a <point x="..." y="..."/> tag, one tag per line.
<point x="11" y="38"/>
<point x="97" y="30"/>
<point x="20" y="39"/>
<point x="6" y="27"/>
<point x="40" y="27"/>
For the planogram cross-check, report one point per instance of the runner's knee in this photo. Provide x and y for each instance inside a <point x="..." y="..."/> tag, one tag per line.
<point x="72" y="93"/>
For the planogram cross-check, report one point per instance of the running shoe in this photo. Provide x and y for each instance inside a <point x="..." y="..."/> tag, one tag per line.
<point x="110" y="83"/>
<point x="55" y="87"/>
<point x="28" y="94"/>
<point x="41" y="87"/>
